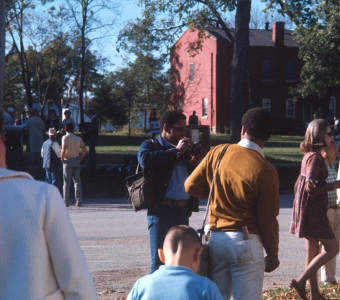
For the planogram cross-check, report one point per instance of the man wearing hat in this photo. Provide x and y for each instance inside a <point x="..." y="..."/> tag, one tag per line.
<point x="51" y="154"/>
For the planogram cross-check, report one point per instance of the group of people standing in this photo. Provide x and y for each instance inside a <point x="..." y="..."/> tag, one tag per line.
<point x="61" y="163"/>
<point x="245" y="194"/>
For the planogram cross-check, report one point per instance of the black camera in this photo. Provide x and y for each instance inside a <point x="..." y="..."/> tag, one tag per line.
<point x="197" y="149"/>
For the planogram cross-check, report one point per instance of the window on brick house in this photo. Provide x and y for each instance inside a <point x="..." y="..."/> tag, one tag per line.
<point x="192" y="73"/>
<point x="332" y="108"/>
<point x="267" y="70"/>
<point x="290" y="108"/>
<point x="266" y="103"/>
<point x="291" y="71"/>
<point x="204" y="107"/>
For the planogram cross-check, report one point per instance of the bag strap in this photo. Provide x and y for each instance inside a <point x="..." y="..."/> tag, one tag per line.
<point x="154" y="144"/>
<point x="212" y="187"/>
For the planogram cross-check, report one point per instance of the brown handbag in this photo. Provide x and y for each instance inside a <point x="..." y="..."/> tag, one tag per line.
<point x="203" y="269"/>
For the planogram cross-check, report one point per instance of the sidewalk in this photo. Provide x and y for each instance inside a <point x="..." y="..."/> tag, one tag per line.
<point x="115" y="241"/>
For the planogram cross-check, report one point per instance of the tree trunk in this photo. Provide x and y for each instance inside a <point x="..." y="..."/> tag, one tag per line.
<point x="239" y="68"/>
<point x="324" y="100"/>
<point x="2" y="51"/>
<point x="82" y="76"/>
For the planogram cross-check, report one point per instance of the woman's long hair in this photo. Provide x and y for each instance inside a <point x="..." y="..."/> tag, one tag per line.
<point x="315" y="136"/>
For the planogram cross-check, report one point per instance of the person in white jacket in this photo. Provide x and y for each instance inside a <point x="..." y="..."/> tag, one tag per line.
<point x="40" y="256"/>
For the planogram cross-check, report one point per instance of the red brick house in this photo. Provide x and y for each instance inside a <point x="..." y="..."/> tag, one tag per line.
<point x="202" y="82"/>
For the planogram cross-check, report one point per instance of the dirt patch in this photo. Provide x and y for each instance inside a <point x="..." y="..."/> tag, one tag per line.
<point x="115" y="285"/>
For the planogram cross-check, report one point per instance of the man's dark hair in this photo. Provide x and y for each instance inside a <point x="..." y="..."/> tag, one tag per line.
<point x="258" y="123"/>
<point x="181" y="234"/>
<point x="170" y="117"/>
<point x="69" y="127"/>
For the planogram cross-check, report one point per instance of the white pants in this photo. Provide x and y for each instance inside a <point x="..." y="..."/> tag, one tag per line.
<point x="328" y="271"/>
<point x="237" y="265"/>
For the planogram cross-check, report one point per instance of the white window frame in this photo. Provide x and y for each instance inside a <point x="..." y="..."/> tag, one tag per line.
<point x="192" y="73"/>
<point x="266" y="103"/>
<point x="205" y="104"/>
<point x="290" y="108"/>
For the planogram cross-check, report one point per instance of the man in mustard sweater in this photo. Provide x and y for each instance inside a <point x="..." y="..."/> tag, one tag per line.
<point x="245" y="199"/>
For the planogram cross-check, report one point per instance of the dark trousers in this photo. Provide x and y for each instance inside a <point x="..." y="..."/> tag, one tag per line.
<point x="159" y="222"/>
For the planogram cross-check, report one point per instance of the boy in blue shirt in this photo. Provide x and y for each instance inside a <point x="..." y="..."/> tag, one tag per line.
<point x="177" y="279"/>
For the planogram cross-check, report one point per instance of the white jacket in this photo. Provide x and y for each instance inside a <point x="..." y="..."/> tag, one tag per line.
<point x="40" y="257"/>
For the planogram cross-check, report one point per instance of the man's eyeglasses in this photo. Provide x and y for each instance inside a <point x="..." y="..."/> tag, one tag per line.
<point x="329" y="133"/>
<point x="179" y="128"/>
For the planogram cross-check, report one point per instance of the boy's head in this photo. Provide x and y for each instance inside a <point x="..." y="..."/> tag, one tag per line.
<point x="181" y="247"/>
<point x="329" y="153"/>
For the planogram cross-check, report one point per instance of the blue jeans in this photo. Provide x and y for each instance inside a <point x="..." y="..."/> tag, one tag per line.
<point x="237" y="265"/>
<point x="159" y="222"/>
<point x="71" y="170"/>
<point x="53" y="176"/>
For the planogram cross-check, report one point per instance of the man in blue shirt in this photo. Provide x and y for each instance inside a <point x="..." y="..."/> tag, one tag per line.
<point x="168" y="158"/>
<point x="181" y="254"/>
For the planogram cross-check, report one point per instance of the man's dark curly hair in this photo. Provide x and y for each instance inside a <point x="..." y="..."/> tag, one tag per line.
<point x="170" y="117"/>
<point x="258" y="123"/>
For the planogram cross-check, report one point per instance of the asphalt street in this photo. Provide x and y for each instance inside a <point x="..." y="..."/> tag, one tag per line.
<point x="114" y="237"/>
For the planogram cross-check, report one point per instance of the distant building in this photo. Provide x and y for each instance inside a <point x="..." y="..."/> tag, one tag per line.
<point x="202" y="82"/>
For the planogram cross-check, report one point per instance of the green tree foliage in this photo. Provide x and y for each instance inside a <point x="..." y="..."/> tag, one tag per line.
<point x="317" y="36"/>
<point x="107" y="105"/>
<point x="144" y="82"/>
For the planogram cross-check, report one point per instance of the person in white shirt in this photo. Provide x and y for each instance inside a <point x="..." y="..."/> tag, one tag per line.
<point x="40" y="254"/>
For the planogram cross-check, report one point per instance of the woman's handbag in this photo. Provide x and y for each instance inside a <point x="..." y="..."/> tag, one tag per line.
<point x="203" y="269"/>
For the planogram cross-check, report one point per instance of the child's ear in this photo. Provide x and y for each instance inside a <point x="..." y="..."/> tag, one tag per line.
<point x="198" y="253"/>
<point x="161" y="255"/>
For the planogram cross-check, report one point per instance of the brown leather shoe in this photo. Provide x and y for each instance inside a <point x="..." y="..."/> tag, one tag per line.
<point x="78" y="204"/>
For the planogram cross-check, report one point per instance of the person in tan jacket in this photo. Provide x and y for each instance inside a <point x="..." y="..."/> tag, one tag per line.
<point x="245" y="200"/>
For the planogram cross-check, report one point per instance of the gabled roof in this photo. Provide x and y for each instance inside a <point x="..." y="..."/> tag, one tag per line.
<point x="257" y="37"/>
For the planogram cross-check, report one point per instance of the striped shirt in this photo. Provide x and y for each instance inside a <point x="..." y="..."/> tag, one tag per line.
<point x="332" y="175"/>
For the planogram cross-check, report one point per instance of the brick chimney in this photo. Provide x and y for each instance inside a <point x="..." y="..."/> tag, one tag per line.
<point x="278" y="33"/>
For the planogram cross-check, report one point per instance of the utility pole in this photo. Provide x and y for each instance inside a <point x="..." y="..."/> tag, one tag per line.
<point x="2" y="51"/>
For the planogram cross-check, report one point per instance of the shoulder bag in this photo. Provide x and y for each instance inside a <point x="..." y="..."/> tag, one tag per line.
<point x="140" y="188"/>
<point x="203" y="269"/>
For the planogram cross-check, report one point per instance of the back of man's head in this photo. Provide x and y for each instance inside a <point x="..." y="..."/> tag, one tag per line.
<point x="69" y="127"/>
<point x="171" y="117"/>
<point x="258" y="123"/>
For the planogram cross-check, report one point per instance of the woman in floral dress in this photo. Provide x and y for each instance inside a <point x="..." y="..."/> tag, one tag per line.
<point x="310" y="208"/>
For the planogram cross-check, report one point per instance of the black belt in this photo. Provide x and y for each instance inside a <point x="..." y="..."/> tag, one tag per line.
<point x="172" y="202"/>
<point x="334" y="206"/>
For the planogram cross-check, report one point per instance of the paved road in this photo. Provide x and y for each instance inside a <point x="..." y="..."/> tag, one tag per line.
<point x="114" y="237"/>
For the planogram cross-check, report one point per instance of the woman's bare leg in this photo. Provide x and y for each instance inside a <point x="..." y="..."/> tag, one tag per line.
<point x="314" y="260"/>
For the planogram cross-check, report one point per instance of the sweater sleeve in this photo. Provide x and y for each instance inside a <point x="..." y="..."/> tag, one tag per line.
<point x="67" y="258"/>
<point x="268" y="210"/>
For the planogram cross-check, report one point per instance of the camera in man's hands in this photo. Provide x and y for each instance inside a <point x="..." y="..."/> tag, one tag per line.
<point x="197" y="149"/>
